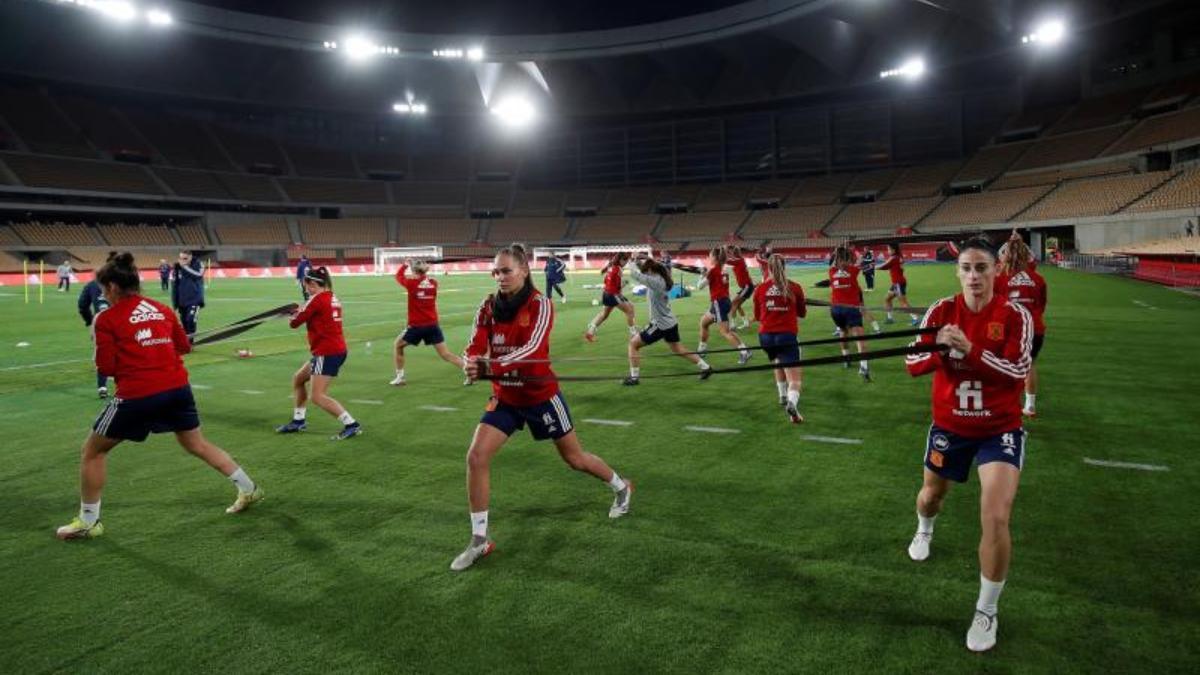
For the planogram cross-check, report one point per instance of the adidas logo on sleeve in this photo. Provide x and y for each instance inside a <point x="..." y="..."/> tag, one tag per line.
<point x="145" y="312"/>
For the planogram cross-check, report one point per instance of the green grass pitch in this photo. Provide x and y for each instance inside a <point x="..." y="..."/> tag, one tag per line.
<point x="758" y="551"/>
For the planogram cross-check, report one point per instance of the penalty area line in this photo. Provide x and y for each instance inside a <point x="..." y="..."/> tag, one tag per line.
<point x="610" y="423"/>
<point x="438" y="408"/>
<point x="366" y="401"/>
<point x="832" y="439"/>
<point x="1125" y="465"/>
<point x="713" y="430"/>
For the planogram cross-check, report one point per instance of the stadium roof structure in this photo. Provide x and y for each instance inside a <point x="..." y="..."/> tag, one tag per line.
<point x="630" y="57"/>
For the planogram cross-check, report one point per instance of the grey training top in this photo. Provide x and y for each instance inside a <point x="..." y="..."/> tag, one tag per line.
<point x="661" y="316"/>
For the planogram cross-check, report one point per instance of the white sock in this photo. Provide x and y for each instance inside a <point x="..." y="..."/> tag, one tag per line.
<point x="875" y="326"/>
<point x="989" y="595"/>
<point x="634" y="372"/>
<point x="633" y="330"/>
<point x="479" y="524"/>
<point x="862" y="365"/>
<point x="89" y="513"/>
<point x="890" y="317"/>
<point x="299" y="413"/>
<point x="345" y="418"/>
<point x="924" y="524"/>
<point x="591" y="328"/>
<point x="702" y="364"/>
<point x="400" y="373"/>
<point x="781" y="387"/>
<point x="702" y="347"/>
<point x="1030" y="400"/>
<point x="241" y="480"/>
<point x="793" y="396"/>
<point x="616" y="482"/>
<point x="741" y="345"/>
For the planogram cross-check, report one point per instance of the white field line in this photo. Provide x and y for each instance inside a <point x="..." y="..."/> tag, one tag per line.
<point x="366" y="401"/>
<point x="251" y="392"/>
<point x="439" y="408"/>
<point x="611" y="423"/>
<point x="1125" y="465"/>
<point x="201" y="387"/>
<point x="713" y="430"/>
<point x="43" y="365"/>
<point x="833" y="439"/>
<point x="1139" y="303"/>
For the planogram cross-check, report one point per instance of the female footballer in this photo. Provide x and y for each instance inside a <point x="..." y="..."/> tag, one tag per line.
<point x="1019" y="281"/>
<point x="778" y="308"/>
<point x="139" y="342"/>
<point x="976" y="418"/>
<point x="845" y="301"/>
<point x="718" y="312"/>
<point x="656" y="277"/>
<point x="612" y="297"/>
<point x="422" y="317"/>
<point x="322" y="314"/>
<point x="511" y="343"/>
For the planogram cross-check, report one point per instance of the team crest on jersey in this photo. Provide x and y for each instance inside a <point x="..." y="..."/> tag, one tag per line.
<point x="523" y="320"/>
<point x="995" y="331"/>
<point x="936" y="458"/>
<point x="498" y="339"/>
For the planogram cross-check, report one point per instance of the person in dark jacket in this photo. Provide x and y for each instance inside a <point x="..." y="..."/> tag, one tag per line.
<point x="164" y="274"/>
<point x="302" y="268"/>
<point x="556" y="276"/>
<point x="91" y="303"/>
<point x="187" y="290"/>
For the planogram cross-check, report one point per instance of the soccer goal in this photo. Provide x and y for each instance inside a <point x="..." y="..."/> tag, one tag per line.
<point x="388" y="259"/>
<point x="577" y="256"/>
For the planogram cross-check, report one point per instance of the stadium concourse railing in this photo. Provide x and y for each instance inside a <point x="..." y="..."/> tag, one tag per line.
<point x="1100" y="263"/>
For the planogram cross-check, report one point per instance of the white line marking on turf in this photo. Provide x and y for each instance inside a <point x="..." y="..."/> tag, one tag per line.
<point x="1125" y="465"/>
<point x="366" y="401"/>
<point x="201" y="387"/>
<point x="833" y="439"/>
<point x="714" y="430"/>
<point x="611" y="423"/>
<point x="43" y="365"/>
<point x="252" y="392"/>
<point x="1139" y="303"/>
<point x="438" y="408"/>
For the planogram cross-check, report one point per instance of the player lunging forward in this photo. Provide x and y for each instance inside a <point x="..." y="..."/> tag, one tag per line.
<point x="976" y="419"/>
<point x="719" y="309"/>
<point x="612" y="297"/>
<point x="139" y="342"/>
<point x="656" y="277"/>
<point x="511" y="339"/>
<point x="422" y="317"/>
<point x="899" y="284"/>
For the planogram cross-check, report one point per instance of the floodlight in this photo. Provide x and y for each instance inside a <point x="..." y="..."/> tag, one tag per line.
<point x="475" y="54"/>
<point x="159" y="17"/>
<point x="118" y="10"/>
<point x="910" y="69"/>
<point x="1047" y="33"/>
<point x="402" y="108"/>
<point x="359" y="48"/>
<point x="515" y="112"/>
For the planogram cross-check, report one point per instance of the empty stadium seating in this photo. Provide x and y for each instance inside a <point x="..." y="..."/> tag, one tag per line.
<point x="1036" y="118"/>
<point x="773" y="189"/>
<point x="122" y="234"/>
<point x="1100" y="111"/>
<point x="586" y="199"/>
<point x="677" y="195"/>
<point x="39" y="123"/>
<point x="189" y="183"/>
<point x="631" y="200"/>
<point x="1068" y="148"/>
<point x="983" y="208"/>
<point x="181" y="140"/>
<point x="487" y="196"/>
<point x="529" y="230"/>
<point x="334" y="191"/>
<point x="922" y="181"/>
<point x="370" y="231"/>
<point x="321" y="162"/>
<point x="248" y="150"/>
<point x="9" y="237"/>
<point x="1052" y="176"/>
<point x="1181" y="192"/>
<point x="107" y="128"/>
<point x="819" y="190"/>
<point x="246" y="187"/>
<point x="419" y="199"/>
<point x="192" y="234"/>
<point x="873" y="181"/>
<point x="441" y="167"/>
<point x="418" y="231"/>
<point x="788" y="222"/>
<point x="881" y="217"/>
<point x="1159" y="130"/>
<point x="37" y="233"/>
<point x="722" y="197"/>
<point x="614" y="228"/>
<point x="990" y="162"/>
<point x="261" y="233"/>
<point x="1094" y="196"/>
<point x="708" y="225"/>
<point x="80" y="174"/>
<point x="538" y="203"/>
<point x="11" y="261"/>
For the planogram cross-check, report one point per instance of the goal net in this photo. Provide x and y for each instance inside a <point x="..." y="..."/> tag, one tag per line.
<point x="389" y="259"/>
<point x="577" y="257"/>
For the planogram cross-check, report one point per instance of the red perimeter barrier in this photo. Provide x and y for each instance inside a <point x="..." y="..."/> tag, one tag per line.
<point x="1168" y="272"/>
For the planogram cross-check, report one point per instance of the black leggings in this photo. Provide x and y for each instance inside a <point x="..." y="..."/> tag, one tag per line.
<point x="551" y="287"/>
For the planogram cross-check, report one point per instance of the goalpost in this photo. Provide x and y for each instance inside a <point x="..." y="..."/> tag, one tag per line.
<point x="577" y="256"/>
<point x="388" y="259"/>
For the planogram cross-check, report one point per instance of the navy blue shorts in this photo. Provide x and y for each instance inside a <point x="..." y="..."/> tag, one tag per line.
<point x="135" y="419"/>
<point x="846" y="317"/>
<point x="719" y="309"/>
<point x="1037" y="345"/>
<point x="328" y="365"/>
<point x="430" y="335"/>
<point x="551" y="419"/>
<point x="653" y="334"/>
<point x="899" y="289"/>
<point x="949" y="455"/>
<point x="869" y="276"/>
<point x="780" y="346"/>
<point x="612" y="300"/>
<point x="745" y="292"/>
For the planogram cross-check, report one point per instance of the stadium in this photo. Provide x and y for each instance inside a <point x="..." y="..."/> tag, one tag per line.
<point x="349" y="254"/>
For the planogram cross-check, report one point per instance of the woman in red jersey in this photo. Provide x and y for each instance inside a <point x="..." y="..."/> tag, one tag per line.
<point x="763" y="257"/>
<point x="845" y="305"/>
<point x="719" y="309"/>
<point x="1019" y="281"/>
<point x="976" y="418"/>
<point x="139" y="342"/>
<point x="422" y="317"/>
<point x="612" y="297"/>
<point x="778" y="307"/>
<point x="510" y="341"/>
<point x="322" y="314"/>
<point x="899" y="286"/>
<point x="741" y="274"/>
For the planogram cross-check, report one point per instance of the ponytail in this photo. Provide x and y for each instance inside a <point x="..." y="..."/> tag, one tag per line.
<point x="778" y="267"/>
<point x="121" y="271"/>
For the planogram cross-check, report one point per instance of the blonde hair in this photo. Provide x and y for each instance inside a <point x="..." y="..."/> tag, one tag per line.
<point x="1016" y="256"/>
<point x="778" y="267"/>
<point x="420" y="267"/>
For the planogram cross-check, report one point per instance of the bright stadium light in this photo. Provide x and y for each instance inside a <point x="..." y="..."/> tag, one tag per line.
<point x="1048" y="33"/>
<point x="911" y="69"/>
<point x="359" y="48"/>
<point x="117" y="10"/>
<point x="515" y="112"/>
<point x="475" y="54"/>
<point x="159" y="17"/>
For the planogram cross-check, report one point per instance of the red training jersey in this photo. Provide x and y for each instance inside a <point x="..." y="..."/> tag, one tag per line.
<point x="612" y="280"/>
<point x="895" y="267"/>
<point x="741" y="272"/>
<point x="139" y="342"/>
<point x="323" y="314"/>
<point x="1029" y="289"/>
<point x="978" y="394"/>
<point x="718" y="283"/>
<point x="763" y="266"/>
<point x="422" y="298"/>
<point x="774" y="312"/>
<point x="510" y="343"/>
<point x="843" y="284"/>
